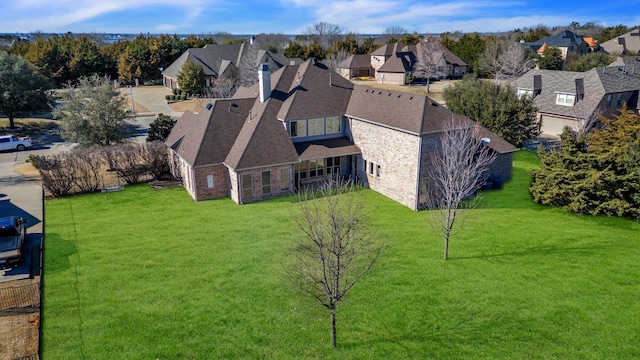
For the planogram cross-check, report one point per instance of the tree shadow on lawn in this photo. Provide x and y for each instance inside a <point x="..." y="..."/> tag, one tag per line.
<point x="471" y="327"/>
<point x="58" y="251"/>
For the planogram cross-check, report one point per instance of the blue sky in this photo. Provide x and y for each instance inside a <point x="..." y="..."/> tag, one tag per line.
<point x="296" y="16"/>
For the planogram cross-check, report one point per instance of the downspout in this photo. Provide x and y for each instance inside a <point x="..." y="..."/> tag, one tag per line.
<point x="415" y="208"/>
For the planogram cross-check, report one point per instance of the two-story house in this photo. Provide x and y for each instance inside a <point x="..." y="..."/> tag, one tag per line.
<point x="391" y="63"/>
<point x="623" y="44"/>
<point x="303" y="124"/>
<point x="566" y="98"/>
<point x="566" y="41"/>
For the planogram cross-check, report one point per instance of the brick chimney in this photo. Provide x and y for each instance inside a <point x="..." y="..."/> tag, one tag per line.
<point x="264" y="79"/>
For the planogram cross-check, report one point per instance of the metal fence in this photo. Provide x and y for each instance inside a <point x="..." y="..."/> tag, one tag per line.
<point x="17" y="297"/>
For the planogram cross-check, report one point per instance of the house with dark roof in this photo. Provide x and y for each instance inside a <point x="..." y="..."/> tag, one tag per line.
<point x="303" y="124"/>
<point x="358" y="65"/>
<point x="219" y="60"/>
<point x="391" y="63"/>
<point x="566" y="41"/>
<point x="623" y="44"/>
<point x="566" y="98"/>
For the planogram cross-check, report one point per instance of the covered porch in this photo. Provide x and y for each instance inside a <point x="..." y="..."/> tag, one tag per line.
<point x="322" y="160"/>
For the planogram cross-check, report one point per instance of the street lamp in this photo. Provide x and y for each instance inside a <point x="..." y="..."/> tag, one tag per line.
<point x="133" y="106"/>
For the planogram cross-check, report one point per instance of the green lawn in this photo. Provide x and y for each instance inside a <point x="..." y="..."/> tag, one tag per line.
<point x="144" y="274"/>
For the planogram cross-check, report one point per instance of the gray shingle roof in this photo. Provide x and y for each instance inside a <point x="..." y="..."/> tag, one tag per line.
<point x="629" y="41"/>
<point x="597" y="83"/>
<point x="357" y="61"/>
<point x="561" y="39"/>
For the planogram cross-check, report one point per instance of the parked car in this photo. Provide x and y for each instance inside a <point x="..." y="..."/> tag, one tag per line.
<point x="12" y="142"/>
<point x="12" y="236"/>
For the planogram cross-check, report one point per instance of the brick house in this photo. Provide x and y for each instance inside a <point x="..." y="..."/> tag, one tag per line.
<point x="566" y="98"/>
<point x="391" y="63"/>
<point x="303" y="124"/>
<point x="219" y="60"/>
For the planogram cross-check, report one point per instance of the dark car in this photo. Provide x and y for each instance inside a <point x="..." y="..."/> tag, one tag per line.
<point x="12" y="236"/>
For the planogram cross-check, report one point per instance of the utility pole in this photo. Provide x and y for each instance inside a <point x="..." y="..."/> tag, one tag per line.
<point x="133" y="106"/>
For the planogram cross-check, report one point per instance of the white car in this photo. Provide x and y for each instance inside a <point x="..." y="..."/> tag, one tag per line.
<point x="12" y="142"/>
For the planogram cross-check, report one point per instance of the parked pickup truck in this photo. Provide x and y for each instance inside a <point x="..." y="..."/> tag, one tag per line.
<point x="12" y="142"/>
<point x="12" y="237"/>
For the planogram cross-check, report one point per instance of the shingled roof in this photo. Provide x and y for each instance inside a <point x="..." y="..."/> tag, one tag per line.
<point x="206" y="138"/>
<point x="415" y="114"/>
<point x="596" y="83"/>
<point x="357" y="61"/>
<point x="562" y="39"/>
<point x="214" y="58"/>
<point x="629" y="42"/>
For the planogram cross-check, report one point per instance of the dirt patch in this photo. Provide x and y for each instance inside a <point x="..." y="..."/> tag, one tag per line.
<point x="33" y="127"/>
<point x="193" y="105"/>
<point x="18" y="335"/>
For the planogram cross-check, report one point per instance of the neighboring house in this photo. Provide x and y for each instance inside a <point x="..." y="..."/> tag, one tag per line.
<point x="626" y="43"/>
<point x="302" y="125"/>
<point x="391" y="63"/>
<point x="566" y="41"/>
<point x="356" y="66"/>
<point x="631" y="62"/>
<point x="566" y="98"/>
<point x="219" y="60"/>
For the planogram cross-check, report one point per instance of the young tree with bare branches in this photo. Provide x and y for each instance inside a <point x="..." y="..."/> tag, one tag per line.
<point x="457" y="170"/>
<point x="430" y="51"/>
<point x="333" y="250"/>
<point x="505" y="59"/>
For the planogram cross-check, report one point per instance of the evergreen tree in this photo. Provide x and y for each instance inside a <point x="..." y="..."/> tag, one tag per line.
<point x="551" y="59"/>
<point x="191" y="78"/>
<point x="494" y="106"/>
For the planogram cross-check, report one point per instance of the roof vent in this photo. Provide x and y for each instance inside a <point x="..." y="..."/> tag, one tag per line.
<point x="485" y="141"/>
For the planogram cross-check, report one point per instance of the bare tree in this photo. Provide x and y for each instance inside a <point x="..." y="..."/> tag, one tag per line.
<point x="55" y="174"/>
<point x="457" y="170"/>
<point x="333" y="250"/>
<point x="506" y="60"/>
<point x="155" y="159"/>
<point x="393" y="33"/>
<point x="86" y="164"/>
<point x="430" y="51"/>
<point x="325" y="34"/>
<point x="335" y="59"/>
<point x="224" y="87"/>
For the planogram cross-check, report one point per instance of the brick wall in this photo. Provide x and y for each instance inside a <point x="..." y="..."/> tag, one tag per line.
<point x="391" y="78"/>
<point x="257" y="188"/>
<point x="397" y="155"/>
<point x="501" y="167"/>
<point x="220" y="182"/>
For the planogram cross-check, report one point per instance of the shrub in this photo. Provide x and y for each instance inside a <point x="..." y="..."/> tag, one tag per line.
<point x="175" y="91"/>
<point x="183" y="96"/>
<point x="167" y="97"/>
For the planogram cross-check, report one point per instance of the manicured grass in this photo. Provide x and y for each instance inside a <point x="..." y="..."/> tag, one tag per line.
<point x="144" y="274"/>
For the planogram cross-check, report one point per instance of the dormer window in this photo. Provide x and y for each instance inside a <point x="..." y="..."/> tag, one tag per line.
<point x="299" y="128"/>
<point x="565" y="99"/>
<point x="525" y="92"/>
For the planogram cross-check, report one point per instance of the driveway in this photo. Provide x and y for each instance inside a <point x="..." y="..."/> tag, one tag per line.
<point x="21" y="197"/>
<point x="152" y="98"/>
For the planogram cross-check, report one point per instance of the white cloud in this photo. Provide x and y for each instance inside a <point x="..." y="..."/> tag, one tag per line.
<point x="29" y="15"/>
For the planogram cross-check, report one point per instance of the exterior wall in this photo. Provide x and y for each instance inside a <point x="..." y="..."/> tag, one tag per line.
<point x="220" y="182"/>
<point x="501" y="168"/>
<point x="345" y="73"/>
<point x="256" y="177"/>
<point x="553" y="125"/>
<point x="397" y="154"/>
<point x="377" y="62"/>
<point x="391" y="78"/>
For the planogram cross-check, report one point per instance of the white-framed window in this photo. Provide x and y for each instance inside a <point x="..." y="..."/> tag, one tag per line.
<point x="525" y="92"/>
<point x="316" y="126"/>
<point x="266" y="182"/>
<point x="333" y="165"/>
<point x="247" y="186"/>
<point x="371" y="168"/>
<point x="334" y="124"/>
<point x="284" y="180"/>
<point x="565" y="99"/>
<point x="210" y="181"/>
<point x="378" y="171"/>
<point x="619" y="100"/>
<point x="298" y="128"/>
<point x="609" y="100"/>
